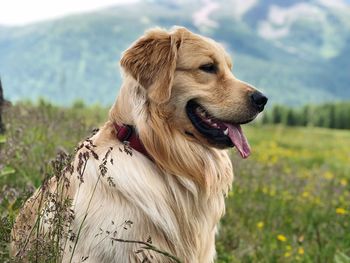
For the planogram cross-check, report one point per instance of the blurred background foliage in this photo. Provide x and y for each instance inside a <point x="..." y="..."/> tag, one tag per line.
<point x="329" y="115"/>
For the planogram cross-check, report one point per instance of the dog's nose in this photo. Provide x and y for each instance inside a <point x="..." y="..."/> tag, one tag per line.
<point x="259" y="100"/>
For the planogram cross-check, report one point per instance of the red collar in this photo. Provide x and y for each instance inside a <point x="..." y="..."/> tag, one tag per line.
<point x="127" y="135"/>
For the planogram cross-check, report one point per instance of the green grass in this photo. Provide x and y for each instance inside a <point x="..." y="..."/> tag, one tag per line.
<point x="290" y="200"/>
<point x="289" y="203"/>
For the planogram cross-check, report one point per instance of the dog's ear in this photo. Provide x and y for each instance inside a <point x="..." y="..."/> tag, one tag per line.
<point x="151" y="60"/>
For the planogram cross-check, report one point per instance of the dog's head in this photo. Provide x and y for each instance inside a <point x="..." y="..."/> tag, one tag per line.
<point x="188" y="82"/>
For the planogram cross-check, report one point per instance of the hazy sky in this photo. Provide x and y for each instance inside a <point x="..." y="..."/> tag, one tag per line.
<point x="19" y="12"/>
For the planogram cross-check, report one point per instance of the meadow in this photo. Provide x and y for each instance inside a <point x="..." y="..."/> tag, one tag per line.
<point x="290" y="201"/>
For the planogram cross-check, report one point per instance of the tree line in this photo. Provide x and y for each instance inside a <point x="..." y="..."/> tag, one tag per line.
<point x="329" y="115"/>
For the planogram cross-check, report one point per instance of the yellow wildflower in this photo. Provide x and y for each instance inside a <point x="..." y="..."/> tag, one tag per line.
<point x="274" y="159"/>
<point x="305" y="194"/>
<point x="272" y="192"/>
<point x="289" y="248"/>
<point x="260" y="225"/>
<point x="287" y="254"/>
<point x="343" y="182"/>
<point x="265" y="190"/>
<point x="301" y="251"/>
<point x="328" y="175"/>
<point x="317" y="201"/>
<point x="282" y="238"/>
<point x="341" y="211"/>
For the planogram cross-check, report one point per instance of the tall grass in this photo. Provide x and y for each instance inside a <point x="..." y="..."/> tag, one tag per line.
<point x="35" y="135"/>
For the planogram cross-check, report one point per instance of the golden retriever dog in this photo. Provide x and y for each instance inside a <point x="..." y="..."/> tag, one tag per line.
<point x="162" y="182"/>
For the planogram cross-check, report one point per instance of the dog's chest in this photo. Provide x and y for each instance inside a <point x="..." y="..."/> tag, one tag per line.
<point x="135" y="201"/>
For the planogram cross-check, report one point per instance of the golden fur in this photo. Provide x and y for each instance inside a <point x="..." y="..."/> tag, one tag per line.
<point x="178" y="198"/>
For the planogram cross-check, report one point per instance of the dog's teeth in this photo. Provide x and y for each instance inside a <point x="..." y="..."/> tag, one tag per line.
<point x="226" y="131"/>
<point x="209" y="120"/>
<point x="215" y="125"/>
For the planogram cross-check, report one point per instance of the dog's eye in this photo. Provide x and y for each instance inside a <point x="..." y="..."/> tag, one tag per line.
<point x="209" y="68"/>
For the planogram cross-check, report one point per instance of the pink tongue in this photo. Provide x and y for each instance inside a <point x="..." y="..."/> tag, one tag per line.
<point x="238" y="139"/>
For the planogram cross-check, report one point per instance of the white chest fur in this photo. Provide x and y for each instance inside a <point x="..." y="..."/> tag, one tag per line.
<point x="134" y="200"/>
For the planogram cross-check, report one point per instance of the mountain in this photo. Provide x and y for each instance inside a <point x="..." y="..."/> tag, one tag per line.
<point x="295" y="51"/>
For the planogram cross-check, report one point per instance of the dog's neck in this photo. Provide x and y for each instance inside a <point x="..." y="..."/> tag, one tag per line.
<point x="127" y="135"/>
<point x="210" y="168"/>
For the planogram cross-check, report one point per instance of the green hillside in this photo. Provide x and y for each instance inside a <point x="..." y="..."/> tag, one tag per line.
<point x="76" y="57"/>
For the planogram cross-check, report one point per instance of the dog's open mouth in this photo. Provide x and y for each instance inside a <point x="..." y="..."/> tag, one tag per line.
<point x="219" y="132"/>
